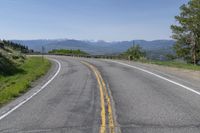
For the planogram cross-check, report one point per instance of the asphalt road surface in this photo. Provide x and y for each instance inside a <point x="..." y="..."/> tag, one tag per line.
<point x="81" y="95"/>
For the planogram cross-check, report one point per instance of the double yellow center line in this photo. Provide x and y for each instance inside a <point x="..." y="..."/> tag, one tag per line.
<point x="106" y="111"/>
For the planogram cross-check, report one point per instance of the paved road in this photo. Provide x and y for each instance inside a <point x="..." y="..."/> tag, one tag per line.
<point x="90" y="96"/>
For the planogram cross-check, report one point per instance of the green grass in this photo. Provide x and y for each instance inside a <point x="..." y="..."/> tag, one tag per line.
<point x="174" y="64"/>
<point x="13" y="86"/>
<point x="67" y="51"/>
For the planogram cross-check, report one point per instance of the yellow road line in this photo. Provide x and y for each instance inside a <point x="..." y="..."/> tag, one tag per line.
<point x="103" y="90"/>
<point x="103" y="111"/>
<point x="110" y="112"/>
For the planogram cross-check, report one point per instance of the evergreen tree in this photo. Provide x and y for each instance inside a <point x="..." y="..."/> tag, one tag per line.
<point x="135" y="52"/>
<point x="187" y="32"/>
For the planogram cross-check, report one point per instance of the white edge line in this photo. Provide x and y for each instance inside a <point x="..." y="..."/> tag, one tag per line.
<point x="161" y="77"/>
<point x="26" y="100"/>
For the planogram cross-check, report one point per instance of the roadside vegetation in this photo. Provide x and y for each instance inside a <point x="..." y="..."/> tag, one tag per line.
<point x="136" y="53"/>
<point x="174" y="64"/>
<point x="67" y="52"/>
<point x="187" y="33"/>
<point x="133" y="53"/>
<point x="187" y="47"/>
<point x="17" y="71"/>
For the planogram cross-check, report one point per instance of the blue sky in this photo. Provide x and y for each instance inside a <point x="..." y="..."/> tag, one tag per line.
<point x="110" y="20"/>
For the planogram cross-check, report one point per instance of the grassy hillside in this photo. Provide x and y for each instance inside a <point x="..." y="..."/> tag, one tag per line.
<point x="18" y="71"/>
<point x="10" y="58"/>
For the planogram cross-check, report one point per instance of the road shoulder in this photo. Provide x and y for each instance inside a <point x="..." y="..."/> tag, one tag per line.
<point x="188" y="77"/>
<point x="35" y="86"/>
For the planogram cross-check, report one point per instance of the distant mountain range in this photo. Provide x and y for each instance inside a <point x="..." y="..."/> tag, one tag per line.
<point x="154" y="48"/>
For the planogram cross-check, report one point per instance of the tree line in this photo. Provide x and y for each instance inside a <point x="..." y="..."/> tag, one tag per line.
<point x="67" y="52"/>
<point x="15" y="46"/>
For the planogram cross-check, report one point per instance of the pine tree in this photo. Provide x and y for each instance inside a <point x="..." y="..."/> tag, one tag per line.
<point x="135" y="52"/>
<point x="187" y="32"/>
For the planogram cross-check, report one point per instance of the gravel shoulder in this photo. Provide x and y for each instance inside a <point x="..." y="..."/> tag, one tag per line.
<point x="190" y="77"/>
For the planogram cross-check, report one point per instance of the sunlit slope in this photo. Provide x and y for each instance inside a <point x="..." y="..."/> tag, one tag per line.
<point x="11" y="57"/>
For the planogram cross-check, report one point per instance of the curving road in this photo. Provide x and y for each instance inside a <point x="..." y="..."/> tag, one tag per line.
<point x="96" y="96"/>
